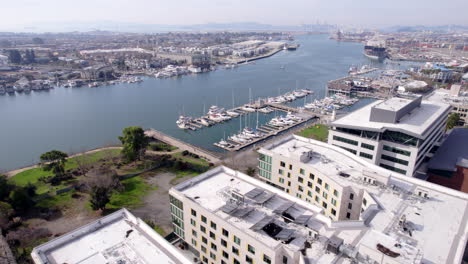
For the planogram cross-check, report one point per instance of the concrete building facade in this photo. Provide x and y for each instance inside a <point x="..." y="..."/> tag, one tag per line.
<point x="396" y="134"/>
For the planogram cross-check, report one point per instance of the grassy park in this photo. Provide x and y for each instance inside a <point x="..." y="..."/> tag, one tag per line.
<point x="318" y="132"/>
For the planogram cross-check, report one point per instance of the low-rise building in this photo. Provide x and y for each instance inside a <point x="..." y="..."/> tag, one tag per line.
<point x="228" y="217"/>
<point x="396" y="134"/>
<point x="456" y="98"/>
<point x="117" y="238"/>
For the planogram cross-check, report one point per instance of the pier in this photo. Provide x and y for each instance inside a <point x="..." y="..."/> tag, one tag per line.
<point x="211" y="157"/>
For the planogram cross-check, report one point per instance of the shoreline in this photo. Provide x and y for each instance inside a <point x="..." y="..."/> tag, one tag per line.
<point x="12" y="173"/>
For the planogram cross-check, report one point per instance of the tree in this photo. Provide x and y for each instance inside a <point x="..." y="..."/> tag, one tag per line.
<point x="6" y="211"/>
<point x="15" y="56"/>
<point x="250" y="171"/>
<point x="134" y="143"/>
<point x="100" y="196"/>
<point x="29" y="57"/>
<point x="20" y="199"/>
<point x="54" y="161"/>
<point x="38" y="41"/>
<point x="5" y="187"/>
<point x="453" y="120"/>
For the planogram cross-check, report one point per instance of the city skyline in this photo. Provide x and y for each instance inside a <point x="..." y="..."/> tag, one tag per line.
<point x="57" y="15"/>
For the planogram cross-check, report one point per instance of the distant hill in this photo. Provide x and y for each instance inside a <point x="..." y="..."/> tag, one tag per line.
<point x="420" y="28"/>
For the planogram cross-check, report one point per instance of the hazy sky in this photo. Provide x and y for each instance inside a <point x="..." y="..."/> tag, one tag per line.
<point x="372" y="13"/>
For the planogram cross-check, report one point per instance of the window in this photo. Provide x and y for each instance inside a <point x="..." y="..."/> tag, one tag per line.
<point x="235" y="250"/>
<point x="282" y="164"/>
<point x="237" y="240"/>
<point x="225" y="233"/>
<point x="309" y="184"/>
<point x="194" y="213"/>
<point x="203" y="218"/>
<point x="365" y="155"/>
<point x="299" y="195"/>
<point x="319" y="181"/>
<point x="281" y="180"/>
<point x="213" y="246"/>
<point x="388" y="167"/>
<point x="347" y="149"/>
<point x="348" y="215"/>
<point x="400" y="138"/>
<point x="204" y="240"/>
<point x="194" y="242"/>
<point x="193" y="222"/>
<point x="367" y="146"/>
<point x="290" y="166"/>
<point x="223" y="242"/>
<point x="251" y="249"/>
<point x="317" y="189"/>
<point x="236" y="261"/>
<point x="213" y="255"/>
<point x="300" y="179"/>
<point x="350" y="206"/>
<point x="266" y="259"/>
<point x="345" y="140"/>
<point x="333" y="201"/>
<point x="194" y="233"/>
<point x="248" y="259"/>
<point x="317" y="199"/>
<point x="396" y="160"/>
<point x="203" y="249"/>
<point x="289" y="175"/>
<point x="280" y="171"/>
<point x="311" y="176"/>
<point x="302" y="171"/>
<point x="327" y="187"/>
<point x="309" y="193"/>
<point x="364" y="201"/>
<point x="299" y="188"/>
<point x="333" y="211"/>
<point x="203" y="229"/>
<point x="212" y="235"/>
<point x="213" y="225"/>
<point x="205" y="260"/>
<point x="336" y="193"/>
<point x="351" y="196"/>
<point x="285" y="260"/>
<point x="325" y="195"/>
<point x="324" y="204"/>
<point x="225" y="254"/>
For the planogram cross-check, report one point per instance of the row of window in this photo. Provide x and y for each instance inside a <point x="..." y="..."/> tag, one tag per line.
<point x="396" y="160"/>
<point x="365" y="155"/>
<point x="348" y="149"/>
<point x="388" y="167"/>
<point x="345" y="140"/>
<point x="367" y="146"/>
<point x="397" y="150"/>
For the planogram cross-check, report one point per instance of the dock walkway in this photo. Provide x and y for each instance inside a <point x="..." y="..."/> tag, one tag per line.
<point x="211" y="157"/>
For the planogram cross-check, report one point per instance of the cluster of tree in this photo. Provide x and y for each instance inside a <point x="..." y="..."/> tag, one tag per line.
<point x="54" y="161"/>
<point x="452" y="121"/>
<point x="13" y="200"/>
<point x="100" y="184"/>
<point x="15" y="57"/>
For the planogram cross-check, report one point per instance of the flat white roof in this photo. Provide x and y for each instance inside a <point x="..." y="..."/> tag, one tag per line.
<point x="439" y="223"/>
<point x="394" y="103"/>
<point x="444" y="96"/>
<point x="416" y="123"/>
<point x="117" y="238"/>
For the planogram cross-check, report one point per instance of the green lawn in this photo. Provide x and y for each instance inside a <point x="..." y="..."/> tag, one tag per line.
<point x="132" y="195"/>
<point x="33" y="175"/>
<point x="161" y="146"/>
<point x="318" y="132"/>
<point x="191" y="159"/>
<point x="61" y="200"/>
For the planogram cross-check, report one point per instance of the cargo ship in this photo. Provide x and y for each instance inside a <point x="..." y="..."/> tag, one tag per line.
<point x="375" y="49"/>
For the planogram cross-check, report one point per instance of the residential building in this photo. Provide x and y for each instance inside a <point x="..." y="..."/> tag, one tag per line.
<point x="228" y="217"/>
<point x="395" y="134"/>
<point x="116" y="238"/>
<point x="449" y="165"/>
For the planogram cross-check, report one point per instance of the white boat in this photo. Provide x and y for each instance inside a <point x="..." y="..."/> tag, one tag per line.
<point x="248" y="108"/>
<point x="266" y="110"/>
<point x="183" y="122"/>
<point x="232" y="113"/>
<point x="204" y="122"/>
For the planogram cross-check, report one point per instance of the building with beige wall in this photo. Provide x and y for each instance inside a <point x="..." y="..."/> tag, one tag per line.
<point x="228" y="217"/>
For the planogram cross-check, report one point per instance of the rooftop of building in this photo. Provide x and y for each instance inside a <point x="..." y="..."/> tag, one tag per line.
<point x="454" y="148"/>
<point x="452" y="96"/>
<point x="441" y="216"/>
<point x="416" y="122"/>
<point x="261" y="211"/>
<point x="116" y="238"/>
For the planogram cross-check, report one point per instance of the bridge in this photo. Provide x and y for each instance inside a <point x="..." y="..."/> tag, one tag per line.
<point x="211" y="157"/>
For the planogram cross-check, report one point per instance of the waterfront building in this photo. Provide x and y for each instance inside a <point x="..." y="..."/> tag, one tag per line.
<point x="396" y="134"/>
<point x="228" y="217"/>
<point x="116" y="238"/>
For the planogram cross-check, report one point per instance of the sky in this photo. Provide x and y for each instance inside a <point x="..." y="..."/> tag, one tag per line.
<point x="360" y="13"/>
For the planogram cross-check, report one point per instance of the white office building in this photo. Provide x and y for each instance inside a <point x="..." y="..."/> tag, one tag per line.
<point x="118" y="238"/>
<point x="395" y="134"/>
<point x="228" y="217"/>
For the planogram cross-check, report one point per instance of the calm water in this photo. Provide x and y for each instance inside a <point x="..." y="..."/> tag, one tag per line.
<point x="78" y="119"/>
